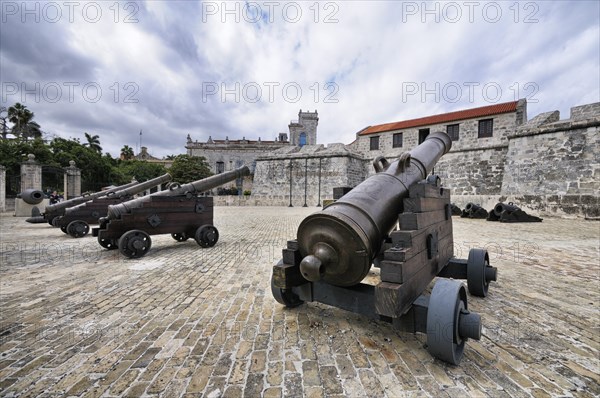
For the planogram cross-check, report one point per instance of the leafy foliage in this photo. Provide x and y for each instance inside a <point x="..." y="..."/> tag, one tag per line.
<point x="187" y="168"/>
<point x="138" y="169"/>
<point x="127" y="152"/>
<point x="93" y="141"/>
<point x="97" y="170"/>
<point x="23" y="124"/>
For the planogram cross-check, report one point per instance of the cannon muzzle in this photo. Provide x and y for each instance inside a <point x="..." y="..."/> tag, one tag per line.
<point x="502" y="207"/>
<point x="473" y="210"/>
<point x="129" y="191"/>
<point x="339" y="243"/>
<point x="115" y="211"/>
<point x="32" y="196"/>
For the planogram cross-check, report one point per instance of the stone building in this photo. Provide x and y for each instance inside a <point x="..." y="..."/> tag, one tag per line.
<point x="314" y="169"/>
<point x="224" y="155"/>
<point x="145" y="156"/>
<point x="546" y="165"/>
<point x="479" y="129"/>
<point x="304" y="130"/>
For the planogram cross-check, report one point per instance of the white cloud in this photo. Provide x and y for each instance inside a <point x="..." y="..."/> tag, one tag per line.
<point x="373" y="53"/>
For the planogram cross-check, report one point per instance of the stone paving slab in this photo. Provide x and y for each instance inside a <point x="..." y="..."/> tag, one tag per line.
<point x="78" y="320"/>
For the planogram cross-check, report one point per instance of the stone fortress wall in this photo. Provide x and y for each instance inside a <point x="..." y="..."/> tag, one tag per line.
<point x="546" y="165"/>
<point x="314" y="169"/>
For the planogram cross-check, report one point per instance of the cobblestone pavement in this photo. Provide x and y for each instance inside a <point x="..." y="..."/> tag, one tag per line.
<point x="78" y="320"/>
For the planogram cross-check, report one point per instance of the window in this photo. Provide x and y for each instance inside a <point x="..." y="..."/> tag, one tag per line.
<point x="486" y="128"/>
<point x="374" y="143"/>
<point x="397" y="140"/>
<point x="423" y="133"/>
<point x="452" y="131"/>
<point x="220" y="167"/>
<point x="302" y="139"/>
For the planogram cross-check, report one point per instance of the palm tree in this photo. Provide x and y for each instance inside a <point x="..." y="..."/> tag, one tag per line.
<point x="126" y="152"/>
<point x="23" y="124"/>
<point x="93" y="142"/>
<point x="4" y="126"/>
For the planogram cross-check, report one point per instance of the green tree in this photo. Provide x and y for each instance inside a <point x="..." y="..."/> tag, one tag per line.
<point x="187" y="168"/>
<point x="140" y="170"/>
<point x="97" y="171"/>
<point x="23" y="124"/>
<point x="3" y="121"/>
<point x="126" y="152"/>
<point x="93" y="142"/>
<point x="14" y="152"/>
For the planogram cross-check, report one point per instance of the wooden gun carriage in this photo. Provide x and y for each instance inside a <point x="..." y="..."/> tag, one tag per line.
<point x="76" y="220"/>
<point x="336" y="248"/>
<point x="179" y="211"/>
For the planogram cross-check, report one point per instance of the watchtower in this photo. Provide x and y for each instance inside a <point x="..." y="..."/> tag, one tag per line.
<point x="304" y="130"/>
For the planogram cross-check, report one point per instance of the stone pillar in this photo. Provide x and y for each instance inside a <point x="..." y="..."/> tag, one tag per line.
<point x="73" y="181"/>
<point x="31" y="174"/>
<point x="2" y="189"/>
<point x="31" y="178"/>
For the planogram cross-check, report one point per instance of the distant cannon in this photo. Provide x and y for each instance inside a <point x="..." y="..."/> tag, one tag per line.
<point x="32" y="196"/>
<point x="52" y="212"/>
<point x="331" y="258"/>
<point x="456" y="211"/>
<point x="474" y="211"/>
<point x="77" y="219"/>
<point x="178" y="210"/>
<point x="509" y="212"/>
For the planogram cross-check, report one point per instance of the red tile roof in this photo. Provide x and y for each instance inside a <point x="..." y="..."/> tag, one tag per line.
<point x="444" y="118"/>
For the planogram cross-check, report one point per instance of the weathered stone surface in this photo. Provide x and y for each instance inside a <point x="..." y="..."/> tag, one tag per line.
<point x="199" y="329"/>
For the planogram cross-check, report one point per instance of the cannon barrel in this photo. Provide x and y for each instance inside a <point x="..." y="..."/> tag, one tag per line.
<point x="32" y="196"/>
<point x="339" y="243"/>
<point x="142" y="186"/>
<point x="473" y="210"/>
<point x="59" y="208"/>
<point x="129" y="191"/>
<point x="115" y="211"/>
<point x="501" y="207"/>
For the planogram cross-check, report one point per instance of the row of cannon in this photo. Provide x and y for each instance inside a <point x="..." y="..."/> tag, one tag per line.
<point x="398" y="220"/>
<point x="503" y="212"/>
<point x="125" y="222"/>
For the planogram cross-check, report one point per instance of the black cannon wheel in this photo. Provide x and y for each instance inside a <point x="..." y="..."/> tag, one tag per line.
<point x="207" y="236"/>
<point x="78" y="228"/>
<point x="134" y="243"/>
<point x="444" y="342"/>
<point x="54" y="221"/>
<point x="109" y="244"/>
<point x="285" y="296"/>
<point x="64" y="228"/>
<point x="180" y="237"/>
<point x="477" y="263"/>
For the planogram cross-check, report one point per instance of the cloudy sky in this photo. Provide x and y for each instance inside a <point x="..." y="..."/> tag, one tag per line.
<point x="245" y="69"/>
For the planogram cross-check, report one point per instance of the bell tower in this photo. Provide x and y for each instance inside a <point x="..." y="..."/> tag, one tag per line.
<point x="304" y="130"/>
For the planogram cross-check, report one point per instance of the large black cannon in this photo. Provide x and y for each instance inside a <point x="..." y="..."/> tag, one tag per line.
<point x="52" y="212"/>
<point x="473" y="210"/>
<point x="32" y="196"/>
<point x="336" y="248"/>
<point x="77" y="219"/>
<point x="179" y="211"/>
<point x="509" y="212"/>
